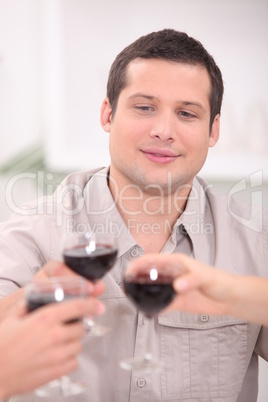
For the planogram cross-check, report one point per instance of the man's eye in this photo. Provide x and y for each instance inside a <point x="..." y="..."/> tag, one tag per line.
<point x="186" y="114"/>
<point x="144" y="108"/>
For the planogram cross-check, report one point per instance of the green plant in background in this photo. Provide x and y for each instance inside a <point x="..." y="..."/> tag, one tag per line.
<point x="32" y="160"/>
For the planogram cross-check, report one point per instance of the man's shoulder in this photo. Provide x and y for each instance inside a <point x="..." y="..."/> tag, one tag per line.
<point x="242" y="209"/>
<point x="233" y="195"/>
<point x="79" y="178"/>
<point x="68" y="190"/>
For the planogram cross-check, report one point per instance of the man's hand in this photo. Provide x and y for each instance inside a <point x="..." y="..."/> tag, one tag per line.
<point x="38" y="347"/>
<point x="57" y="268"/>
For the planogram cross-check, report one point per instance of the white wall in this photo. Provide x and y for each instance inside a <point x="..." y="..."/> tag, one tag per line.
<point x="54" y="61"/>
<point x="21" y="98"/>
<point x="88" y="34"/>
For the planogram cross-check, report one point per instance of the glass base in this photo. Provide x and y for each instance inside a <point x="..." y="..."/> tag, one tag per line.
<point x="143" y="364"/>
<point x="93" y="329"/>
<point x="63" y="387"/>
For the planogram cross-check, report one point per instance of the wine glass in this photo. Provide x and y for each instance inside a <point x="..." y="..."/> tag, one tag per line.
<point x="56" y="290"/>
<point x="90" y="255"/>
<point x="150" y="289"/>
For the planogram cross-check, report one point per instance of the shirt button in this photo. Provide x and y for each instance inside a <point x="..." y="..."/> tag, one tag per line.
<point x="134" y="253"/>
<point x="204" y="318"/>
<point x="141" y="382"/>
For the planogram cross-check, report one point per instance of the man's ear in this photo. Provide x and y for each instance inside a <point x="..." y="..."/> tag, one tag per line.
<point x="106" y="115"/>
<point x="215" y="131"/>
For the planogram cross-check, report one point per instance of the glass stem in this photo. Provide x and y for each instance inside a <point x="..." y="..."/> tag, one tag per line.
<point x="148" y="353"/>
<point x="89" y="323"/>
<point x="64" y="385"/>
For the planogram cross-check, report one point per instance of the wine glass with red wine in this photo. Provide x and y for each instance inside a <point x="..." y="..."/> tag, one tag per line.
<point x="56" y="290"/>
<point x="90" y="255"/>
<point x="150" y="289"/>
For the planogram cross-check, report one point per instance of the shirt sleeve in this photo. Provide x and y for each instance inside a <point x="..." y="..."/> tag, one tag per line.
<point x="25" y="246"/>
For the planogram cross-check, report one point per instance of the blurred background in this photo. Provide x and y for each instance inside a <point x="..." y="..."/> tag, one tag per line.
<point x="54" y="61"/>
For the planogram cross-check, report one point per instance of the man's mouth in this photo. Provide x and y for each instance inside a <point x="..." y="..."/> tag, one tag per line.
<point x="160" y="155"/>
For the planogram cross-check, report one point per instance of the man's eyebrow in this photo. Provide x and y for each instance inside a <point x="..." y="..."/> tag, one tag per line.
<point x="181" y="102"/>
<point x="141" y="95"/>
<point x="190" y="103"/>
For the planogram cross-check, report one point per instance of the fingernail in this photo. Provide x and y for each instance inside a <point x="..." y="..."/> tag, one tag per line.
<point x="100" y="308"/>
<point x="180" y="285"/>
<point x="90" y="288"/>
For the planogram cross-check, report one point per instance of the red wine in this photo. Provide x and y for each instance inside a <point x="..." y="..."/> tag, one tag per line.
<point x="92" y="265"/>
<point x="150" y="296"/>
<point x="42" y="299"/>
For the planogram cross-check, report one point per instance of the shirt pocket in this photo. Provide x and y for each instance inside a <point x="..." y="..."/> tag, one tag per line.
<point x="205" y="356"/>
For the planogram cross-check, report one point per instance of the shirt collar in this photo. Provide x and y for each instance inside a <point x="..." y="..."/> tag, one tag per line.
<point x="196" y="219"/>
<point x="197" y="222"/>
<point x="102" y="212"/>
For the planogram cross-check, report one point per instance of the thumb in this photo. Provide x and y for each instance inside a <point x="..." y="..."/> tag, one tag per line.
<point x="185" y="283"/>
<point x="194" y="275"/>
<point x="19" y="310"/>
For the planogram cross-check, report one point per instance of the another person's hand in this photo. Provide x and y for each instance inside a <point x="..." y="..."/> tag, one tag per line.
<point x="202" y="288"/>
<point x="205" y="289"/>
<point x="197" y="285"/>
<point x="38" y="347"/>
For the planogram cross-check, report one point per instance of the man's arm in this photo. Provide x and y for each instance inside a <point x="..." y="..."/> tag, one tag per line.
<point x="53" y="268"/>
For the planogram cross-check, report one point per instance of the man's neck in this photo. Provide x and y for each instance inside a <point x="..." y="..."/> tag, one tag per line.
<point x="149" y="217"/>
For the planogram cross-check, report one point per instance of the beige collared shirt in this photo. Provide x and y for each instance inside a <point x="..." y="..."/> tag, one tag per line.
<point x="207" y="358"/>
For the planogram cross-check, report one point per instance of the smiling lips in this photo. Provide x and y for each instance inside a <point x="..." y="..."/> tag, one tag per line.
<point x="160" y="155"/>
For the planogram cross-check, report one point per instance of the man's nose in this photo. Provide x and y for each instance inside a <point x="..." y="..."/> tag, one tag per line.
<point x="163" y="128"/>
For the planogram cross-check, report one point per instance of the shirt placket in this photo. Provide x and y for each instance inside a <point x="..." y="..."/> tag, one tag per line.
<point x="141" y="382"/>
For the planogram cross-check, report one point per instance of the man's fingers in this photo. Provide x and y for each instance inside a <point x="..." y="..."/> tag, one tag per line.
<point x="52" y="268"/>
<point x="59" y="269"/>
<point x="96" y="289"/>
<point x="71" y="310"/>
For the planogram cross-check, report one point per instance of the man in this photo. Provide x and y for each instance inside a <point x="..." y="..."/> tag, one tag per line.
<point x="162" y="112"/>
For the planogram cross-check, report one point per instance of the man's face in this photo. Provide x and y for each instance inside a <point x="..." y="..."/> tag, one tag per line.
<point x="160" y="131"/>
